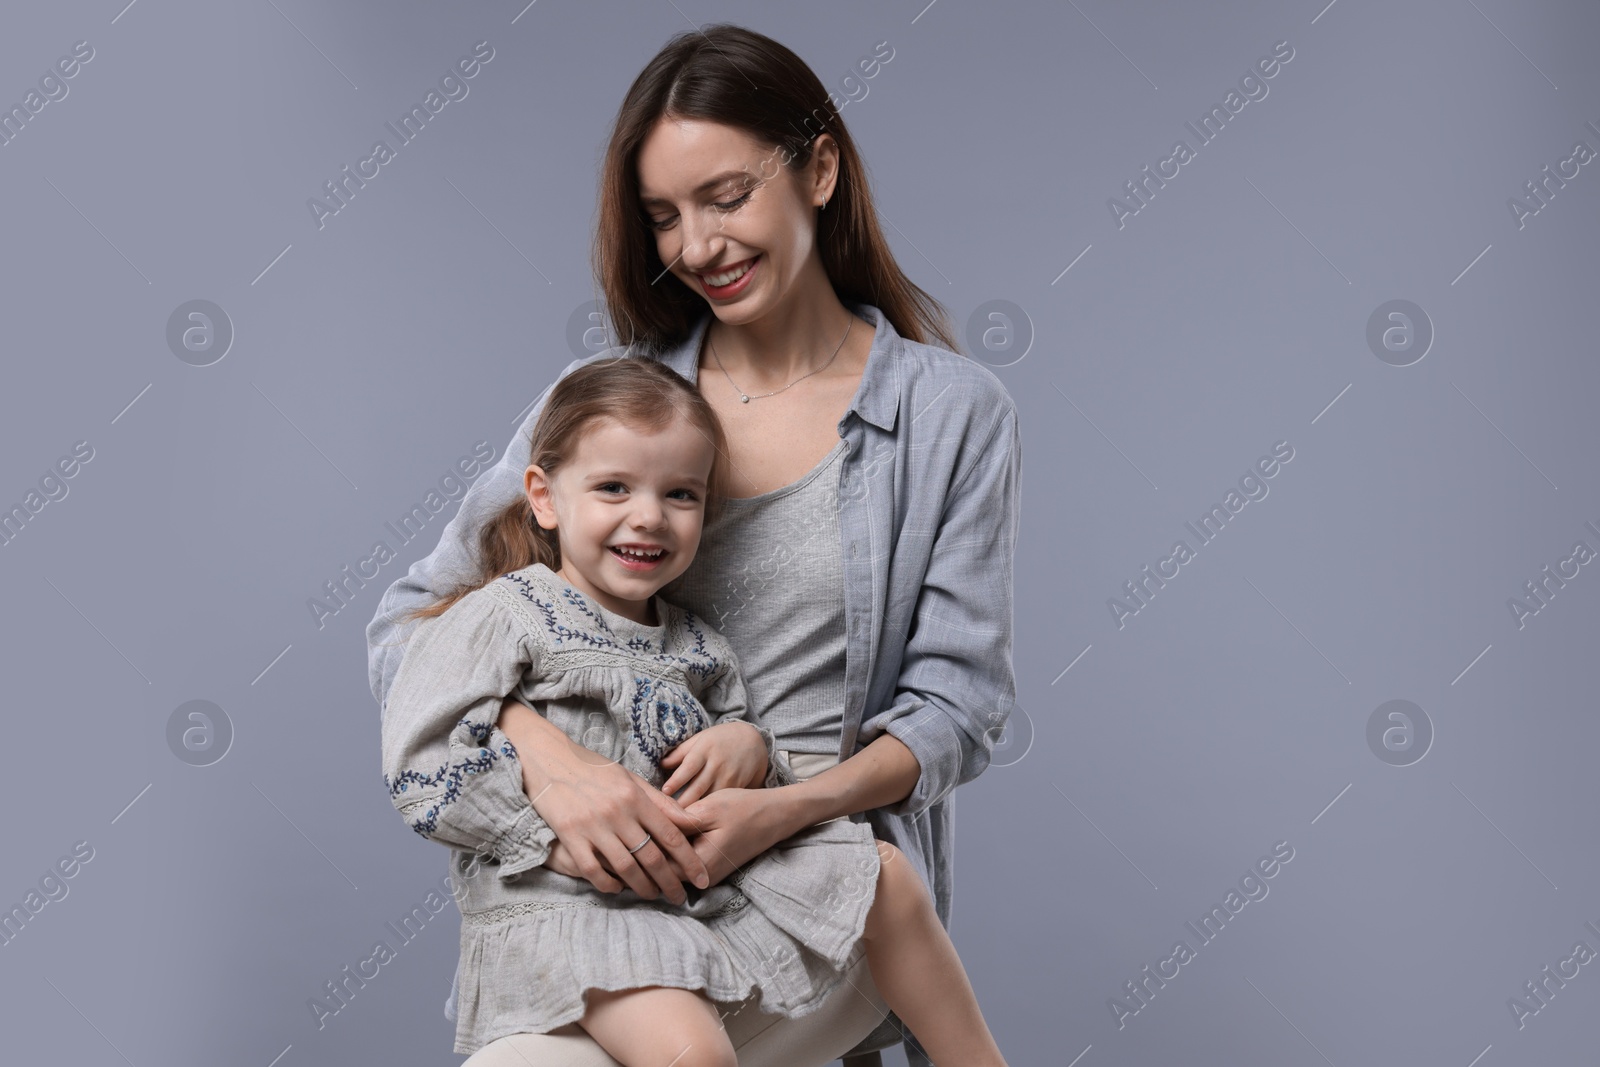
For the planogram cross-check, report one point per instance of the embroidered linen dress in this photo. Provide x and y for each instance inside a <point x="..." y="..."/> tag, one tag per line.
<point x="534" y="940"/>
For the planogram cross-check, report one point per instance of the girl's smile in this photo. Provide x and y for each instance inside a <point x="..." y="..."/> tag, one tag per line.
<point x="639" y="557"/>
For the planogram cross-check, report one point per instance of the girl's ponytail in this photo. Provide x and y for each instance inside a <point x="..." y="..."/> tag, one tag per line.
<point x="509" y="541"/>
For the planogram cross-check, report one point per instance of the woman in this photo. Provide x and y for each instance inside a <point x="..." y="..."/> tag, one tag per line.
<point x="862" y="571"/>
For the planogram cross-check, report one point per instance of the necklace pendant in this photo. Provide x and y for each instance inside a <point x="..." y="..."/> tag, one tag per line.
<point x="743" y="399"/>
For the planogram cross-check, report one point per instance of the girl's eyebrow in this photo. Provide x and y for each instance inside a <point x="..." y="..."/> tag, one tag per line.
<point x="625" y="476"/>
<point x="703" y="187"/>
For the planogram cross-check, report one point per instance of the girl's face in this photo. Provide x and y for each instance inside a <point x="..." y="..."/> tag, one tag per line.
<point x="622" y="488"/>
<point x="731" y="221"/>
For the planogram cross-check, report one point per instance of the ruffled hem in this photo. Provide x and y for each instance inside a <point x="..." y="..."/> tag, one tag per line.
<point x="529" y="972"/>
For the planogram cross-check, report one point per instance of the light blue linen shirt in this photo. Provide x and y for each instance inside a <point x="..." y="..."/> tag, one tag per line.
<point x="929" y="507"/>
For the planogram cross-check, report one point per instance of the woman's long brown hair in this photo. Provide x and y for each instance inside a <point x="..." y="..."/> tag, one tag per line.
<point x="640" y="393"/>
<point x="737" y="77"/>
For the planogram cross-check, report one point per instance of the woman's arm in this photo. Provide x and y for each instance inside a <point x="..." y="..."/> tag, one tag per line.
<point x="736" y="825"/>
<point x="883" y="773"/>
<point x="956" y="687"/>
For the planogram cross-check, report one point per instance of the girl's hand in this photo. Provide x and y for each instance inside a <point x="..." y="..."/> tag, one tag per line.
<point x="730" y="755"/>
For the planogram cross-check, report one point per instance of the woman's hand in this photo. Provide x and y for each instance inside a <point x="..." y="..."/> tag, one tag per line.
<point x="735" y="826"/>
<point x="730" y="755"/>
<point x="567" y="861"/>
<point x="598" y="810"/>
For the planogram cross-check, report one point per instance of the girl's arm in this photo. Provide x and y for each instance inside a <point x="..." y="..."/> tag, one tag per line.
<point x="625" y="807"/>
<point x="450" y="770"/>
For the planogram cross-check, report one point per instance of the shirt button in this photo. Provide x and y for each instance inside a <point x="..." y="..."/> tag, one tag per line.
<point x="852" y="550"/>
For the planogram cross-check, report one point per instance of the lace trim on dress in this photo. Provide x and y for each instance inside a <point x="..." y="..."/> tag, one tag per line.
<point x="502" y="912"/>
<point x="505" y="912"/>
<point x="597" y="658"/>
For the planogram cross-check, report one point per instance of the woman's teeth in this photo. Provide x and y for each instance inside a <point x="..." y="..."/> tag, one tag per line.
<point x="719" y="281"/>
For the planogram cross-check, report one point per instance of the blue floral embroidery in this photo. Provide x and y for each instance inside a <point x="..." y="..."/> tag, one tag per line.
<point x="704" y="663"/>
<point x="557" y="628"/>
<point x="699" y="661"/>
<point x="663" y="715"/>
<point x="581" y="604"/>
<point x="452" y="777"/>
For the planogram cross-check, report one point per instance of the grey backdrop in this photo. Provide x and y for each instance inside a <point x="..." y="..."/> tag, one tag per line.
<point x="1155" y="358"/>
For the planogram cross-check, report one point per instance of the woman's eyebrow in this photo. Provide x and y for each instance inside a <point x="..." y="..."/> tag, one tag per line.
<point x="708" y="184"/>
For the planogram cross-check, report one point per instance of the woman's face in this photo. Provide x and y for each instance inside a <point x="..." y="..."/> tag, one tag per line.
<point x="730" y="220"/>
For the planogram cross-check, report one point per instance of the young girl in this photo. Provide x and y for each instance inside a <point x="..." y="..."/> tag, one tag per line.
<point x="625" y="468"/>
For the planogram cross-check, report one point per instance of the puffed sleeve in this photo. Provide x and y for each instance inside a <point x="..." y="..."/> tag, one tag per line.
<point x="450" y="770"/>
<point x="727" y="699"/>
<point x="956" y="687"/>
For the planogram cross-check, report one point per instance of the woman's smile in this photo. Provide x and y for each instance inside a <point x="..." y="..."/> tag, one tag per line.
<point x="731" y="282"/>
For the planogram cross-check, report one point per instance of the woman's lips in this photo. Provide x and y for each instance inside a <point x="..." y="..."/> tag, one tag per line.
<point x="738" y="285"/>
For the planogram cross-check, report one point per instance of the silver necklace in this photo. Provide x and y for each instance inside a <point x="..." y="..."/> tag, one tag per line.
<point x="745" y="399"/>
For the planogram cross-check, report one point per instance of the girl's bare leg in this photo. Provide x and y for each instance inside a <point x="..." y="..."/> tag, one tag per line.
<point x="658" y="1026"/>
<point x="915" y="967"/>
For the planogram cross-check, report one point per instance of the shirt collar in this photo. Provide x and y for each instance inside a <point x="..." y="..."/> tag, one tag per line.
<point x="877" y="399"/>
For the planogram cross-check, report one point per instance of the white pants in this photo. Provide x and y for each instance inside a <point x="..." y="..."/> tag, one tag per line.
<point x="847" y="1016"/>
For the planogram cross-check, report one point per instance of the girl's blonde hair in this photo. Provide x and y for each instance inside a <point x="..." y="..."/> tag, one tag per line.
<point x="642" y="394"/>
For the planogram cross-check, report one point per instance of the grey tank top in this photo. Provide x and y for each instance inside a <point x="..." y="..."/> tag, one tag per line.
<point x="768" y="575"/>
